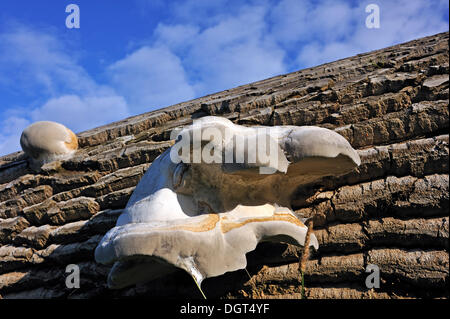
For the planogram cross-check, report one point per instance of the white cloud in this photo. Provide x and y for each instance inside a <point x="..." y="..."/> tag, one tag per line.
<point x="151" y="78"/>
<point x="38" y="60"/>
<point x="81" y="113"/>
<point x="10" y="131"/>
<point x="294" y="22"/>
<point x="38" y="65"/>
<point x="177" y="36"/>
<point x="187" y="60"/>
<point x="234" y="50"/>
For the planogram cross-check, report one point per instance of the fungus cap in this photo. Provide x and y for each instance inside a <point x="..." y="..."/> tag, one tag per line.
<point x="45" y="141"/>
<point x="204" y="217"/>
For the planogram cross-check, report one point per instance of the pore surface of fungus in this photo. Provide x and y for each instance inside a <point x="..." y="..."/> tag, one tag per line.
<point x="215" y="194"/>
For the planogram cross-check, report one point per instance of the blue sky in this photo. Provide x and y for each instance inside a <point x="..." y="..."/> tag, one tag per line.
<point x="131" y="57"/>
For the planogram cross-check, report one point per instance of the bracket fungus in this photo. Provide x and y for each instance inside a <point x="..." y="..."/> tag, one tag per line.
<point x="46" y="141"/>
<point x="215" y="194"/>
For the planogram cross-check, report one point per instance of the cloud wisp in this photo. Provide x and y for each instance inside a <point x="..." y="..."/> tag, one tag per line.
<point x="150" y="78"/>
<point x="37" y="64"/>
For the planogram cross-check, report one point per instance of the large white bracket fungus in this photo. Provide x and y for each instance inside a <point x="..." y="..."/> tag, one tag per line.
<point x="204" y="209"/>
<point x="47" y="141"/>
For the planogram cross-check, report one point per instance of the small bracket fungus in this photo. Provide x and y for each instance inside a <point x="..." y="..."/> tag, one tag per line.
<point x="47" y="141"/>
<point x="215" y="194"/>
